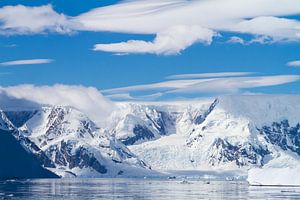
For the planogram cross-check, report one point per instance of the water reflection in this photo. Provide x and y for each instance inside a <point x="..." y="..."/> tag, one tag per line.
<point x="140" y="189"/>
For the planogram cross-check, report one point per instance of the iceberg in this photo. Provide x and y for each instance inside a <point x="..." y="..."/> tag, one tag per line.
<point x="283" y="170"/>
<point x="274" y="176"/>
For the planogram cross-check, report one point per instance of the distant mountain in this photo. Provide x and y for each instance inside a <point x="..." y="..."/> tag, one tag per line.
<point x="226" y="133"/>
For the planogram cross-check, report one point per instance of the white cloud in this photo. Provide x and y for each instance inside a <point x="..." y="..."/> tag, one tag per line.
<point x="261" y="40"/>
<point x="154" y="16"/>
<point x="8" y="102"/>
<point x="26" y="62"/>
<point x="261" y="18"/>
<point x="236" y="40"/>
<point x="171" y="41"/>
<point x="120" y="97"/>
<point x="163" y="86"/>
<point x="200" y="85"/>
<point x="295" y="63"/>
<point x="209" y="75"/>
<point x="277" y="29"/>
<point x="235" y="84"/>
<point x="30" y="20"/>
<point x="176" y="24"/>
<point x="87" y="99"/>
<point x="127" y="96"/>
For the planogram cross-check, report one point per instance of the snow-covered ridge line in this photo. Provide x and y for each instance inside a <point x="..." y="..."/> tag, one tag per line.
<point x="236" y="132"/>
<point x="256" y="106"/>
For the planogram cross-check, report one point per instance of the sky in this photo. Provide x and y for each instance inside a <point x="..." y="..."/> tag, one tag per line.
<point x="150" y="49"/>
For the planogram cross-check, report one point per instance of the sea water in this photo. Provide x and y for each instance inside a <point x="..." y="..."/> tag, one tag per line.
<point x="162" y="189"/>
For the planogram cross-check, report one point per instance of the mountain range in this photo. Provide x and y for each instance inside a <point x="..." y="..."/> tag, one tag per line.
<point x="138" y="139"/>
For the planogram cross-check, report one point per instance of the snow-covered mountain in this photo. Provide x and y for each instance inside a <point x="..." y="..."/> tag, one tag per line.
<point x="225" y="133"/>
<point x="68" y="143"/>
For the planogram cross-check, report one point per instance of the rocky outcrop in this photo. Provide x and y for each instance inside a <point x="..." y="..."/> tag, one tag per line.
<point x="283" y="135"/>
<point x="241" y="155"/>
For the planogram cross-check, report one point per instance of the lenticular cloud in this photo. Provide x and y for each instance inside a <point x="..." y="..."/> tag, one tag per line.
<point x="175" y="24"/>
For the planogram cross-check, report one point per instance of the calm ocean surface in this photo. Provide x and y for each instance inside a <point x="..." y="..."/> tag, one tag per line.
<point x="140" y="189"/>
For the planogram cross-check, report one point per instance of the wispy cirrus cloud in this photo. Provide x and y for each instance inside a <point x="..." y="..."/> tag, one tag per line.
<point x="162" y="86"/>
<point x="127" y="96"/>
<point x="214" y="83"/>
<point x="208" y="75"/>
<point x="10" y="45"/>
<point x="236" y="84"/>
<point x="175" y="24"/>
<point x="294" y="63"/>
<point x="26" y="62"/>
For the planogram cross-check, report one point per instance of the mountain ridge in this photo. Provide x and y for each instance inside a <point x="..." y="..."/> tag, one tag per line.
<point x="225" y="133"/>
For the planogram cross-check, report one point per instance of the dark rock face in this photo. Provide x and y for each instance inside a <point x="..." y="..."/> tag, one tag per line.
<point x="16" y="162"/>
<point x="283" y="135"/>
<point x="201" y="118"/>
<point x="81" y="157"/>
<point x="162" y="122"/>
<point x="241" y="154"/>
<point x="140" y="133"/>
<point x="156" y="124"/>
<point x="87" y="127"/>
<point x="56" y="118"/>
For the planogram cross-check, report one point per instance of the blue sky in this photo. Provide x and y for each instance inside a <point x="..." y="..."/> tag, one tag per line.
<point x="76" y="63"/>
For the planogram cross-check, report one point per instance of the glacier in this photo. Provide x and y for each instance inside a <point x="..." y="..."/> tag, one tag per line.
<point x="236" y="134"/>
